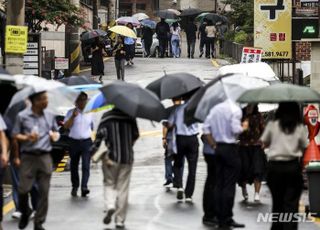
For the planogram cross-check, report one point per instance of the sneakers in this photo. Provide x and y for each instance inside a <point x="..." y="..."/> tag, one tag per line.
<point x="120" y="225"/>
<point x="168" y="182"/>
<point x="189" y="200"/>
<point x="16" y="215"/>
<point x="256" y="197"/>
<point x="180" y="194"/>
<point x="108" y="217"/>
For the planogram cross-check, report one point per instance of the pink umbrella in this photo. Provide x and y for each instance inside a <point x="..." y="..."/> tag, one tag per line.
<point x="126" y="20"/>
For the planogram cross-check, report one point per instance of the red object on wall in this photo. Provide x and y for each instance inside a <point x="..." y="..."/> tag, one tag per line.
<point x="312" y="152"/>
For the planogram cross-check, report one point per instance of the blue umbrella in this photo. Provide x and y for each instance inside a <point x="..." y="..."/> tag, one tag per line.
<point x="97" y="103"/>
<point x="149" y="23"/>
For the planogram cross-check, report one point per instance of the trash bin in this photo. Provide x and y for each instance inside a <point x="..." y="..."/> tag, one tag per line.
<point x="313" y="172"/>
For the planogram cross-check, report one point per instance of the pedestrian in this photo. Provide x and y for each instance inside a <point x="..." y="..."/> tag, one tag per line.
<point x="162" y="31"/>
<point x="35" y="129"/>
<point x="224" y="124"/>
<point x="175" y="39"/>
<point x="119" y="57"/>
<point x="286" y="139"/>
<point x="170" y="146"/>
<point x="210" y="216"/>
<point x="187" y="146"/>
<point x="119" y="131"/>
<point x="202" y="36"/>
<point x="97" y="65"/>
<point x="147" y="38"/>
<point x="253" y="160"/>
<point x="80" y="125"/>
<point x="211" y="35"/>
<point x="3" y="162"/>
<point x="191" y="32"/>
<point x="129" y="44"/>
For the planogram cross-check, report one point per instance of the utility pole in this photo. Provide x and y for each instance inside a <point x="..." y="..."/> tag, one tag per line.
<point x="72" y="46"/>
<point x="95" y="15"/>
<point x="15" y="16"/>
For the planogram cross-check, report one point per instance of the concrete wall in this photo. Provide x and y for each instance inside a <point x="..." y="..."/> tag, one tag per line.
<point x="54" y="41"/>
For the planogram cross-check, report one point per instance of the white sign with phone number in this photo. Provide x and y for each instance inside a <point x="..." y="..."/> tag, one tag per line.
<point x="61" y="63"/>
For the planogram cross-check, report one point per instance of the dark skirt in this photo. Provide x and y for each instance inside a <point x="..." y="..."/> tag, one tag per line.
<point x="253" y="164"/>
<point x="97" y="65"/>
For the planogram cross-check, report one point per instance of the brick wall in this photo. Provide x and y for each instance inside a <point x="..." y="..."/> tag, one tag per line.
<point x="303" y="51"/>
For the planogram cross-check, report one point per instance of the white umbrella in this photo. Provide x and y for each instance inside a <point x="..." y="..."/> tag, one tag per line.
<point x="227" y="88"/>
<point x="140" y="16"/>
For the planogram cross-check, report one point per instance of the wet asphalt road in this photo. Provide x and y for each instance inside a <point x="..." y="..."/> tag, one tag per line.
<point x="151" y="206"/>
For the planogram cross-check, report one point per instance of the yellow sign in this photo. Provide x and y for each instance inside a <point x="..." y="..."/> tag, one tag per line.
<point x="272" y="28"/>
<point x="16" y="39"/>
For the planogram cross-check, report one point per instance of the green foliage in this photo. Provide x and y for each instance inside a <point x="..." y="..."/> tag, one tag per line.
<point x="52" y="12"/>
<point x="241" y="37"/>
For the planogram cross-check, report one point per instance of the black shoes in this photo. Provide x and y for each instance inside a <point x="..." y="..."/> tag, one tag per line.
<point x="108" y="217"/>
<point x="38" y="227"/>
<point x="231" y="224"/>
<point x="168" y="182"/>
<point x="85" y="192"/>
<point x="74" y="192"/>
<point x="180" y="194"/>
<point x="211" y="222"/>
<point x="24" y="220"/>
<point x="200" y="54"/>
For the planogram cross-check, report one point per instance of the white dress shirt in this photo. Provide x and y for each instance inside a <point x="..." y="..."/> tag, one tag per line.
<point x="82" y="125"/>
<point x="224" y="122"/>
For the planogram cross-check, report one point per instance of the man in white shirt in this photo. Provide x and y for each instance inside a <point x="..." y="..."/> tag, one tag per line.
<point x="80" y="126"/>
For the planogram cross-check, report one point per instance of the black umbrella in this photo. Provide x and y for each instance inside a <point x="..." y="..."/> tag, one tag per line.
<point x="215" y="18"/>
<point x="190" y="12"/>
<point x="78" y="80"/>
<point x="195" y="99"/>
<point x="134" y="100"/>
<point x="93" y="34"/>
<point x="167" y="14"/>
<point x="175" y="85"/>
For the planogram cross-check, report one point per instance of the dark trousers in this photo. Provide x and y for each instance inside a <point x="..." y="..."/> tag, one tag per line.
<point x="228" y="166"/>
<point x="163" y="43"/>
<point x="120" y="68"/>
<point x="130" y="51"/>
<point x="147" y="45"/>
<point x="187" y="146"/>
<point x="285" y="181"/>
<point x="191" y="44"/>
<point x="15" y="183"/>
<point x="208" y="193"/>
<point x="210" y="47"/>
<point x="80" y="148"/>
<point x="202" y="44"/>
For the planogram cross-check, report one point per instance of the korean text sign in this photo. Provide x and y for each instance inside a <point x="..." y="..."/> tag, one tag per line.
<point x="16" y="39"/>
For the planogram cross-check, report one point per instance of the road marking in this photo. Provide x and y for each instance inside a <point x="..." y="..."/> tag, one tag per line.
<point x="215" y="63"/>
<point x="153" y="133"/>
<point x="87" y="69"/>
<point x="8" y="207"/>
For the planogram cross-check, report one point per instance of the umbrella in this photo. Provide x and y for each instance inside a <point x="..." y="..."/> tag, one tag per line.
<point x="124" y="31"/>
<point x="171" y="21"/>
<point x="126" y="20"/>
<point x="226" y="88"/>
<point x="93" y="34"/>
<point x="190" y="12"/>
<point x="140" y="16"/>
<point x="134" y="100"/>
<point x="177" y="12"/>
<point x="149" y="23"/>
<point x="167" y="14"/>
<point x="77" y="80"/>
<point x="97" y="103"/>
<point x="280" y="93"/>
<point x="175" y="85"/>
<point x="215" y="18"/>
<point x="60" y="96"/>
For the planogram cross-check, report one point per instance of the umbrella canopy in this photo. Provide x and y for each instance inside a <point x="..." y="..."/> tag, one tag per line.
<point x="97" y="103"/>
<point x="190" y="12"/>
<point x="140" y="16"/>
<point x="215" y="18"/>
<point x="134" y="100"/>
<point x="124" y="31"/>
<point x="175" y="85"/>
<point x="177" y="12"/>
<point x="93" y="34"/>
<point x="226" y="88"/>
<point x="77" y="80"/>
<point x="149" y="23"/>
<point x="280" y="93"/>
<point x="126" y="20"/>
<point x="167" y="14"/>
<point x="171" y="21"/>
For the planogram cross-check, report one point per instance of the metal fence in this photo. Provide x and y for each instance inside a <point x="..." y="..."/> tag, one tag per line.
<point x="232" y="49"/>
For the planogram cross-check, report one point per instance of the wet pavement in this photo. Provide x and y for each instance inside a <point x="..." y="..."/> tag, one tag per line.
<point x="151" y="207"/>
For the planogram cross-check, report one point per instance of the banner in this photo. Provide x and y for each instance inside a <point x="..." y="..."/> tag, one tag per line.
<point x="16" y="39"/>
<point x="251" y="55"/>
<point x="272" y="28"/>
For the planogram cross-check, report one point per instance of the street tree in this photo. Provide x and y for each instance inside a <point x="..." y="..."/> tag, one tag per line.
<point x="42" y="12"/>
